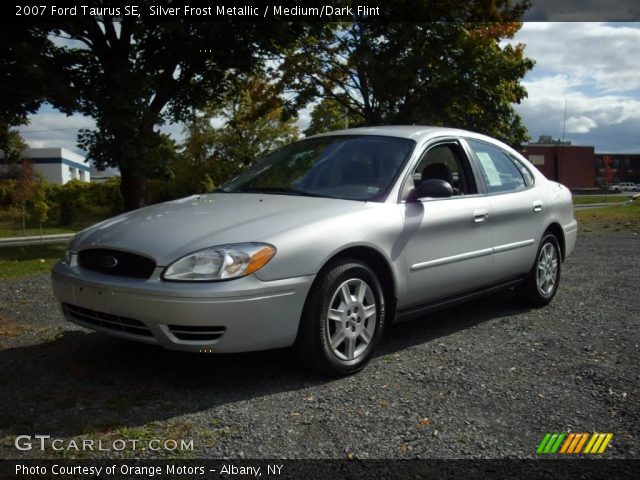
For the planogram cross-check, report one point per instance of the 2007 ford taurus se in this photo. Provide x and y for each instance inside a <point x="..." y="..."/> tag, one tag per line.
<point x="322" y="244"/>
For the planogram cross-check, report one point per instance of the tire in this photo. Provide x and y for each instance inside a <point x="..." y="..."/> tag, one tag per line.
<point x="541" y="283"/>
<point x="345" y="306"/>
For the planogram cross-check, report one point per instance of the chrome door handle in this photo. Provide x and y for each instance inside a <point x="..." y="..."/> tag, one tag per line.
<point x="480" y="216"/>
<point x="537" y="206"/>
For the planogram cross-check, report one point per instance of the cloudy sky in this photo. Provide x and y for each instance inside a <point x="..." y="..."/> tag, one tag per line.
<point x="591" y="67"/>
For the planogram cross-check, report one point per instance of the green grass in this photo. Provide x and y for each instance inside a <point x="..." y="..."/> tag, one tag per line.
<point x="12" y="229"/>
<point x="609" y="219"/>
<point x="16" y="262"/>
<point x="588" y="200"/>
<point x="11" y="223"/>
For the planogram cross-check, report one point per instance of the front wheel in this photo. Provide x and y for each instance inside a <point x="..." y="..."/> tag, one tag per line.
<point x="343" y="319"/>
<point x="541" y="283"/>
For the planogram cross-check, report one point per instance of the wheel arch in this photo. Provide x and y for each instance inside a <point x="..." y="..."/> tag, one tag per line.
<point x="557" y="231"/>
<point x="380" y="265"/>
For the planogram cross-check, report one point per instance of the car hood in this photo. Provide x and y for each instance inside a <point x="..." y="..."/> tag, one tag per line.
<point x="169" y="230"/>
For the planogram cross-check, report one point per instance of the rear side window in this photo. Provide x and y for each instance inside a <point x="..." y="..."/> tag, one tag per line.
<point x="498" y="170"/>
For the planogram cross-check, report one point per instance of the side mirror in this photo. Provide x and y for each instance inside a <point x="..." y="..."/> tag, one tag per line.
<point x="432" y="188"/>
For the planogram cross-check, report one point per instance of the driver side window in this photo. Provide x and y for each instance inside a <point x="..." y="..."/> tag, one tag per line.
<point x="446" y="162"/>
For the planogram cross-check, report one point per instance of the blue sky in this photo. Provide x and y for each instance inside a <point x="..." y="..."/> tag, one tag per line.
<point x="592" y="67"/>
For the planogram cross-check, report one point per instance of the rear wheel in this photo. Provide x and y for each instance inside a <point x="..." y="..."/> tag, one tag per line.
<point x="343" y="319"/>
<point x="542" y="281"/>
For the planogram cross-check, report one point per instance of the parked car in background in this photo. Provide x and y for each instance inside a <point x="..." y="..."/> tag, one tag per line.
<point x="322" y="245"/>
<point x="623" y="187"/>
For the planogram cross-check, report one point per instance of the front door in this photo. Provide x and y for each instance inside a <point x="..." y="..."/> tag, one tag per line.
<point x="448" y="241"/>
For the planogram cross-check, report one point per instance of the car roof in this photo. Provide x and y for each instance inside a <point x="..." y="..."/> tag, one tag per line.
<point x="414" y="132"/>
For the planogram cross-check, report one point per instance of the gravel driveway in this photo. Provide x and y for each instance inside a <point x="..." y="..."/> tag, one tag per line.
<point x="486" y="379"/>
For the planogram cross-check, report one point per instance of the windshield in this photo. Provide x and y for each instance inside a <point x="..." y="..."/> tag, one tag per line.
<point x="353" y="167"/>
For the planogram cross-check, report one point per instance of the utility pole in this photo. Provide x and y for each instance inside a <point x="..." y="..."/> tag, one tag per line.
<point x="564" y="122"/>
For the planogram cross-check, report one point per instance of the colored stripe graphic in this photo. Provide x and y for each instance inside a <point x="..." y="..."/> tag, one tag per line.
<point x="598" y="442"/>
<point x="578" y="448"/>
<point x="577" y="442"/>
<point x="543" y="443"/>
<point x="567" y="443"/>
<point x="551" y="442"/>
<point x="573" y="443"/>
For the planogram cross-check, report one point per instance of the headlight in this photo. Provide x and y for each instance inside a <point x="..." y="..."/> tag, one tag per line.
<point x="220" y="263"/>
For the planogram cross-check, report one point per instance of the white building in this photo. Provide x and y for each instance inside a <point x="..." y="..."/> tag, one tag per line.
<point x="58" y="165"/>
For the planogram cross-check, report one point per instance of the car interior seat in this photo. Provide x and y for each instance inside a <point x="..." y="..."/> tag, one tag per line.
<point x="439" y="171"/>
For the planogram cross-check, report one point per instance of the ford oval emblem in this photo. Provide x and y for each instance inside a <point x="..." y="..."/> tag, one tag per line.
<point x="108" y="261"/>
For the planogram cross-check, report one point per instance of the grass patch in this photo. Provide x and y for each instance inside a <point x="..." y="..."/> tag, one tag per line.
<point x="11" y="223"/>
<point x="11" y="229"/>
<point x="17" y="262"/>
<point x="591" y="199"/>
<point x="609" y="219"/>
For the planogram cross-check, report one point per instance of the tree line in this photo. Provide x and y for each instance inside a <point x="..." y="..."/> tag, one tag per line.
<point x="237" y="88"/>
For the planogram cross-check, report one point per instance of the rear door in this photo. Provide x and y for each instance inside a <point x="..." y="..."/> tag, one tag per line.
<point x="517" y="208"/>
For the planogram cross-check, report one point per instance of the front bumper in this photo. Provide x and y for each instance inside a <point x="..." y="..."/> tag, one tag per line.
<point x="241" y="315"/>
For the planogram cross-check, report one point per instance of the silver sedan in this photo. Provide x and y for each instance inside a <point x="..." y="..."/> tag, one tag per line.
<point x="322" y="245"/>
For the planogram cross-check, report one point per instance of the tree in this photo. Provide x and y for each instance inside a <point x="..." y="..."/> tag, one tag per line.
<point x="13" y="150"/>
<point x="251" y="123"/>
<point x="607" y="174"/>
<point x="38" y="206"/>
<point x="25" y="82"/>
<point x="254" y="122"/>
<point x="132" y="75"/>
<point x="330" y="114"/>
<point x="23" y="191"/>
<point x="446" y="71"/>
<point x="607" y="171"/>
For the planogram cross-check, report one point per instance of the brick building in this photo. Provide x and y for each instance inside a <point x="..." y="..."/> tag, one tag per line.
<point x="568" y="164"/>
<point x="625" y="166"/>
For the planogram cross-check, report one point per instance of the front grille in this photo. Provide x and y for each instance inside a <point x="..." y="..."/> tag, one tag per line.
<point x="106" y="320"/>
<point x="196" y="334"/>
<point x="115" y="262"/>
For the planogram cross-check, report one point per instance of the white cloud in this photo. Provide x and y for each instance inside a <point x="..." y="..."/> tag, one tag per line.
<point x="590" y="68"/>
<point x="598" y="54"/>
<point x="50" y="128"/>
<point x="580" y="124"/>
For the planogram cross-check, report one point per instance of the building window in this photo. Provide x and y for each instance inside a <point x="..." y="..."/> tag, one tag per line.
<point x="536" y="159"/>
<point x="598" y="162"/>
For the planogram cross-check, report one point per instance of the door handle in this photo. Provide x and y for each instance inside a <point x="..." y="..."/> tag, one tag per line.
<point x="537" y="206"/>
<point x="480" y="215"/>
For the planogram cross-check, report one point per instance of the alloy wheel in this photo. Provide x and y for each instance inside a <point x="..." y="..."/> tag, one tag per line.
<point x="547" y="270"/>
<point x="351" y="319"/>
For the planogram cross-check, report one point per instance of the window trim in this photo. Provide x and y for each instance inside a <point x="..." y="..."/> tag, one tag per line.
<point x="520" y="162"/>
<point x="406" y="185"/>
